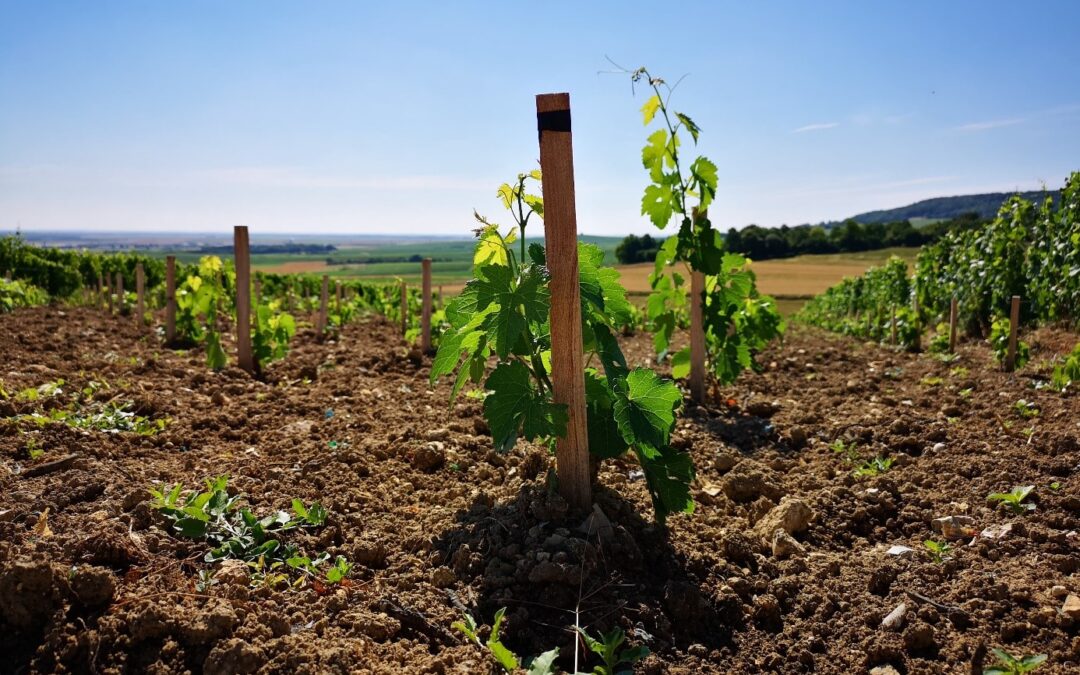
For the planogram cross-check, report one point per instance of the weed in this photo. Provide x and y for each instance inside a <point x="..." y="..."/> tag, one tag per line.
<point x="1014" y="499"/>
<point x="1055" y="486"/>
<point x="939" y="550"/>
<point x="544" y="664"/>
<point x="608" y="647"/>
<point x="1026" y="409"/>
<point x="206" y="581"/>
<point x="959" y="371"/>
<point x="873" y="467"/>
<point x="847" y="451"/>
<point x="1007" y="664"/>
<point x="1067" y="372"/>
<point x="931" y="381"/>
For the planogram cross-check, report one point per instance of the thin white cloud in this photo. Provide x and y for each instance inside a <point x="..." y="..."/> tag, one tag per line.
<point x="816" y="127"/>
<point x="992" y="124"/>
<point x="288" y="177"/>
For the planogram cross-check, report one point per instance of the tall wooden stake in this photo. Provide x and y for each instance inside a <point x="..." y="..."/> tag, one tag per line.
<point x="109" y="293"/>
<point x="1014" y="326"/>
<point x="120" y="292"/>
<point x="892" y="327"/>
<point x="102" y="300"/>
<point x="242" y="254"/>
<point x="952" y="325"/>
<point x="696" y="381"/>
<point x="324" y="302"/>
<point x="404" y="307"/>
<point x="170" y="299"/>
<point x="425" y="311"/>
<point x="140" y="301"/>
<point x="560" y="234"/>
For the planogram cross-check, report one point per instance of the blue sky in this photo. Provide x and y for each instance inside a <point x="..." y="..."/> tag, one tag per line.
<point x="353" y="117"/>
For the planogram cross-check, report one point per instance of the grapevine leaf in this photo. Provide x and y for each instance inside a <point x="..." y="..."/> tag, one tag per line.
<point x="690" y="125"/>
<point x="705" y="180"/>
<point x="537" y="253"/>
<point x="680" y="363"/>
<point x="534" y="294"/>
<point x="645" y="411"/>
<point x="514" y="407"/>
<point x="656" y="203"/>
<point x="491" y="249"/>
<point x="652" y="155"/>
<point x="604" y="439"/>
<point x="648" y="111"/>
<point x="668" y="478"/>
<point x="544" y="664"/>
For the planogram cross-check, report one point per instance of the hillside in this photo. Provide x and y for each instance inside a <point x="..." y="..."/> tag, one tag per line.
<point x="986" y="205"/>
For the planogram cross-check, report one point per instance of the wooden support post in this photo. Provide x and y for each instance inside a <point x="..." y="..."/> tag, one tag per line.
<point x="109" y="293"/>
<point x="242" y="255"/>
<point x="918" y="323"/>
<point x="102" y="300"/>
<point x="1014" y="326"/>
<point x="952" y="325"/>
<point x="140" y="300"/>
<point x="324" y="302"/>
<point x="560" y="235"/>
<point x="119" y="292"/>
<point x="425" y="312"/>
<point x="404" y="307"/>
<point x="696" y="381"/>
<point x="170" y="299"/>
<point x="892" y="327"/>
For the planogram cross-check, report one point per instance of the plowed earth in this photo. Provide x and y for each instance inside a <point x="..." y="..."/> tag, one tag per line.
<point x="435" y="523"/>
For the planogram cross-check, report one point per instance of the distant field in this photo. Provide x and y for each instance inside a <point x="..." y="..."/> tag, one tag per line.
<point x="790" y="280"/>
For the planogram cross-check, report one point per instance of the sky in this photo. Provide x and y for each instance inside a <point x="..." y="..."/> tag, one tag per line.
<point x="358" y="117"/>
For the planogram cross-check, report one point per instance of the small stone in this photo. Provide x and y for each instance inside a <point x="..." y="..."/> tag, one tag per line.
<point x="900" y="551"/>
<point x="443" y="577"/>
<point x="597" y="524"/>
<point x="790" y="515"/>
<point x="884" y="670"/>
<point x="954" y="527"/>
<point x="763" y="408"/>
<point x="233" y="573"/>
<point x="430" y="457"/>
<point x="1071" y="608"/>
<point x="1059" y="592"/>
<point x="895" y="619"/>
<point x="938" y="447"/>
<point x="996" y="531"/>
<point x="786" y="546"/>
<point x="441" y="434"/>
<point x="798" y="437"/>
<point x="219" y="398"/>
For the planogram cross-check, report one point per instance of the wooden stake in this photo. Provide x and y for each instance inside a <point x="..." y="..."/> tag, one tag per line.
<point x="109" y="293"/>
<point x="560" y="234"/>
<point x="425" y="312"/>
<point x="324" y="302"/>
<point x="918" y="323"/>
<point x="120" y="293"/>
<point x="892" y="327"/>
<point x="102" y="300"/>
<point x="140" y="301"/>
<point x="404" y="307"/>
<point x="952" y="325"/>
<point x="696" y="381"/>
<point x="242" y="255"/>
<point x="170" y="299"/>
<point x="1014" y="326"/>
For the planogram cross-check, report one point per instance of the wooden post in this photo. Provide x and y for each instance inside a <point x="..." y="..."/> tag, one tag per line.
<point x="170" y="299"/>
<point x="696" y="381"/>
<point x="892" y="327"/>
<point x="242" y="255"/>
<point x="918" y="323"/>
<point x="1014" y="326"/>
<point x="140" y="301"/>
<point x="425" y="312"/>
<point x="109" y="293"/>
<point x="119" y="293"/>
<point x="324" y="301"/>
<point x="560" y="235"/>
<point x="404" y="307"/>
<point x="952" y="325"/>
<point x="102" y="300"/>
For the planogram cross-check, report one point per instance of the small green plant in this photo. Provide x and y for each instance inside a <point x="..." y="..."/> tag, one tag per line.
<point x="544" y="664"/>
<point x="34" y="449"/>
<point x="617" y="661"/>
<point x="939" y="550"/>
<point x="931" y="381"/>
<point x="1026" y="409"/>
<point x="273" y="329"/>
<point x="873" y="467"/>
<point x="939" y="344"/>
<point x="205" y="581"/>
<point x="959" y="371"/>
<point x="267" y="575"/>
<point x="1014" y="499"/>
<point x="1007" y="664"/>
<point x="1067" y="373"/>
<point x="999" y="342"/>
<point x="965" y="393"/>
<point x="1055" y="486"/>
<point x="847" y="451"/>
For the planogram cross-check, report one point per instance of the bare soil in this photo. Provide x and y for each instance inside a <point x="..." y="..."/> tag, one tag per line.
<point x="436" y="522"/>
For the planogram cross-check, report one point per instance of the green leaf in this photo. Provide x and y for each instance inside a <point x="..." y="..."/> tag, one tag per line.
<point x="668" y="478"/>
<point x="680" y="363"/>
<point x="604" y="438"/>
<point x="648" y="111"/>
<point x="645" y="411"/>
<point x="705" y="178"/>
<point x="544" y="664"/>
<point x="657" y="204"/>
<point x="693" y="128"/>
<point x="652" y="155"/>
<point x="516" y="407"/>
